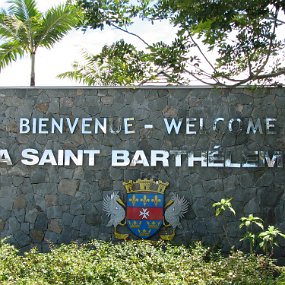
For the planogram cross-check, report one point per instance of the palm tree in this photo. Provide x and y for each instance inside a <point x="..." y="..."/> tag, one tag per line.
<point x="23" y="29"/>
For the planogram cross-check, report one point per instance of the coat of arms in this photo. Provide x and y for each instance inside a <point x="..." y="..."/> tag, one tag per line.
<point x="145" y="212"/>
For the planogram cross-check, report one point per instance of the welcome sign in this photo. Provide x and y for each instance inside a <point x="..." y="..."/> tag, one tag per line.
<point x="63" y="151"/>
<point x="114" y="126"/>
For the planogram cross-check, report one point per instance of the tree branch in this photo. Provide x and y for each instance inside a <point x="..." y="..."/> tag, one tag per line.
<point x="202" y="53"/>
<point x="270" y="45"/>
<point x="130" y="33"/>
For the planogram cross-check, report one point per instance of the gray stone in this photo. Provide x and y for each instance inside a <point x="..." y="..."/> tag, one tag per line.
<point x="54" y="106"/>
<point x="68" y="187"/>
<point x="38" y="176"/>
<point x="55" y="226"/>
<point x="116" y="173"/>
<point x="107" y="100"/>
<point x="197" y="191"/>
<point x="54" y="212"/>
<point x="19" y="214"/>
<point x="51" y="200"/>
<point x="25" y="227"/>
<point x="40" y="202"/>
<point x="2" y="224"/>
<point x="22" y="238"/>
<point x="76" y="208"/>
<point x="19" y="202"/>
<point x="78" y="173"/>
<point x="51" y="237"/>
<point x="96" y="196"/>
<point x="17" y="180"/>
<point x="41" y="222"/>
<point x="31" y="215"/>
<point x="42" y="189"/>
<point x="68" y="235"/>
<point x="78" y="221"/>
<point x="14" y="225"/>
<point x="265" y="180"/>
<point x="6" y="203"/>
<point x="67" y="219"/>
<point x="270" y="198"/>
<point x="64" y="199"/>
<point x="66" y="173"/>
<point x="93" y="218"/>
<point x="37" y="235"/>
<point x="53" y="174"/>
<point x="85" y="231"/>
<point x="202" y="208"/>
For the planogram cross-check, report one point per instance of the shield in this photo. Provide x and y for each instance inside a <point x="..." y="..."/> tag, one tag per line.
<point x="145" y="213"/>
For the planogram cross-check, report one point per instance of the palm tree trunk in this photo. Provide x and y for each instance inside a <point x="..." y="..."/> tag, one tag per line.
<point x="33" y="75"/>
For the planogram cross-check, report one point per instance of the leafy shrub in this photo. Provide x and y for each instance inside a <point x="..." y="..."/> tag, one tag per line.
<point x="134" y="262"/>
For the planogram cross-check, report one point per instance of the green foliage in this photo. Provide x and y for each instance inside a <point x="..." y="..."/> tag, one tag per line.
<point x="269" y="239"/>
<point x="223" y="205"/>
<point x="23" y="29"/>
<point x="118" y="64"/>
<point x="243" y="34"/>
<point x="139" y="262"/>
<point x="248" y="223"/>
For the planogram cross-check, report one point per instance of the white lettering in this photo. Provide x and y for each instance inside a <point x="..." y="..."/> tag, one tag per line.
<point x="48" y="157"/>
<point x="254" y="127"/>
<point x="202" y="159"/>
<point x="72" y="126"/>
<point x="86" y="124"/>
<point x="159" y="156"/>
<point x="91" y="156"/>
<point x="24" y="126"/>
<point x="56" y="125"/>
<point x="120" y="158"/>
<point x="42" y="125"/>
<point x="5" y="157"/>
<point x="127" y="125"/>
<point x="216" y="158"/>
<point x="189" y="125"/>
<point x="69" y="155"/>
<point x="103" y="126"/>
<point x="276" y="157"/>
<point x="270" y="125"/>
<point x="173" y="124"/>
<point x="139" y="158"/>
<point x="31" y="156"/>
<point x="178" y="157"/>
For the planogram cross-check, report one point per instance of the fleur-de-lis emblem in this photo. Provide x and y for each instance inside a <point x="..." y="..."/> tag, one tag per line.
<point x="144" y="200"/>
<point x="133" y="200"/>
<point x="155" y="200"/>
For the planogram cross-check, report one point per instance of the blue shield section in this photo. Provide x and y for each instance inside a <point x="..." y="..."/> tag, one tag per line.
<point x="145" y="213"/>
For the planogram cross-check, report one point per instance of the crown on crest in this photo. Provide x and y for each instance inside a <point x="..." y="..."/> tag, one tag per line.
<point x="144" y="233"/>
<point x="145" y="185"/>
<point x="135" y="224"/>
<point x="153" y="225"/>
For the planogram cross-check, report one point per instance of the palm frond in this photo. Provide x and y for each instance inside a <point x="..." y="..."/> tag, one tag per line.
<point x="82" y="74"/>
<point x="24" y="10"/>
<point x="55" y="24"/>
<point x="10" y="52"/>
<point x="12" y="29"/>
<point x="7" y="26"/>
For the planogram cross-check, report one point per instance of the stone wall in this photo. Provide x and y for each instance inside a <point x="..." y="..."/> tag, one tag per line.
<point x="53" y="203"/>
